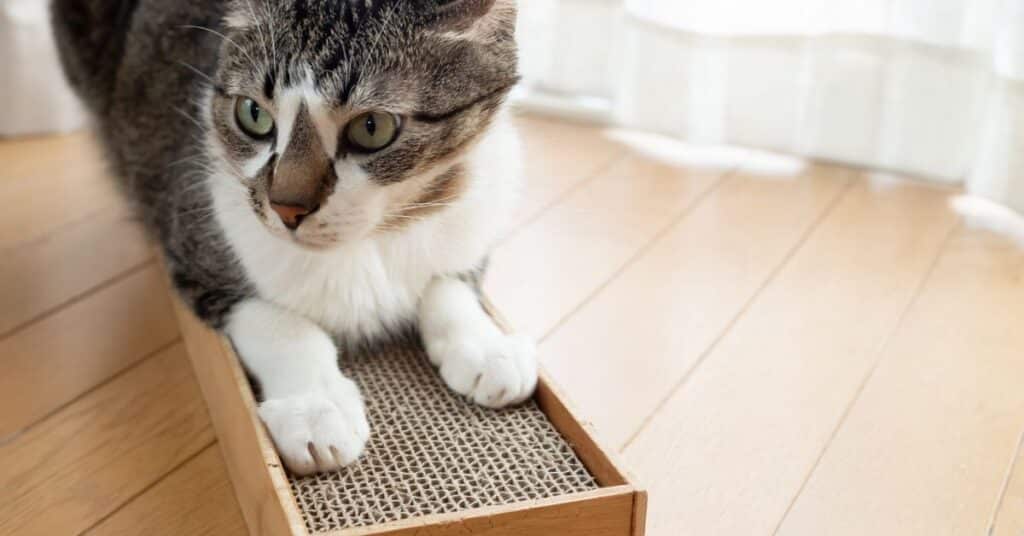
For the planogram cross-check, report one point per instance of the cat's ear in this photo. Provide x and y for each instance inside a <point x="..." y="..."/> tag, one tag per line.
<point x="475" y="19"/>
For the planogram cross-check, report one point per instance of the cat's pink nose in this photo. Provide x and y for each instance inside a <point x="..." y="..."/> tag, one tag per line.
<point x="291" y="215"/>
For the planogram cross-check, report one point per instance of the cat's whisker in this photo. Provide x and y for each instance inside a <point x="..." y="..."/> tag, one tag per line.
<point x="188" y="116"/>
<point x="189" y="159"/>
<point x="259" y="31"/>
<point x="201" y="161"/>
<point x="198" y="185"/>
<point x="273" y="35"/>
<point x="196" y="167"/>
<point x="380" y="33"/>
<point x="416" y="206"/>
<point x="225" y="38"/>
<point x="196" y="215"/>
<point x="269" y="18"/>
<point x="192" y="68"/>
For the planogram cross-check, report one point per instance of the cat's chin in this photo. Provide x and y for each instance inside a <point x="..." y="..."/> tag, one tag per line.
<point x="325" y="241"/>
<point x="316" y="245"/>
<point x="322" y="243"/>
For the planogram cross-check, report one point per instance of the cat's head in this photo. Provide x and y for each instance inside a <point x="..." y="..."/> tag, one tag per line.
<point x="338" y="119"/>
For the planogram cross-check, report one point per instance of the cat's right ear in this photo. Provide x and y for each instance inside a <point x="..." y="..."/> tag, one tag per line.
<point x="460" y="15"/>
<point x="469" y="16"/>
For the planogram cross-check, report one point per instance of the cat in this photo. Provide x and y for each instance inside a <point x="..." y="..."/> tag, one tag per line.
<point x="320" y="175"/>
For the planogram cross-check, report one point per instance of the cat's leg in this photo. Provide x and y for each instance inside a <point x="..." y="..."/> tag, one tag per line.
<point x="314" y="413"/>
<point x="475" y="357"/>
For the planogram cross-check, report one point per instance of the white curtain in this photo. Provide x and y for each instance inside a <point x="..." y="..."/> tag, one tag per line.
<point x="34" y="98"/>
<point x="931" y="88"/>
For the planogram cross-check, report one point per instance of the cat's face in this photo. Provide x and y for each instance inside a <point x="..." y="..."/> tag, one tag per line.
<point x="343" y="118"/>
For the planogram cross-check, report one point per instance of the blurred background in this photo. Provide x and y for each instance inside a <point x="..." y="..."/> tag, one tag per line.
<point x="930" y="88"/>
<point x="771" y="250"/>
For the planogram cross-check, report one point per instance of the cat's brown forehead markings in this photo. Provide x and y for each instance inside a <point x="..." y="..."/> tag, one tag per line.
<point x="435" y="197"/>
<point x="304" y="175"/>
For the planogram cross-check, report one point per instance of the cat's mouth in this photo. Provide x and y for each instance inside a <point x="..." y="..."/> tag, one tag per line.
<point x="318" y="232"/>
<point x="315" y="243"/>
<point x="318" y="239"/>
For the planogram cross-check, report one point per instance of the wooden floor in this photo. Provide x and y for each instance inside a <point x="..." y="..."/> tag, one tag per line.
<point x="775" y="347"/>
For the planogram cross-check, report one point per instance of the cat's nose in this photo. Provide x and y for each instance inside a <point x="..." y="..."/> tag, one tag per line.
<point x="291" y="215"/>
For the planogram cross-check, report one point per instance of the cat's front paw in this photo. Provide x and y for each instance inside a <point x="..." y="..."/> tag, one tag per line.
<point x="493" y="371"/>
<point x="319" y="431"/>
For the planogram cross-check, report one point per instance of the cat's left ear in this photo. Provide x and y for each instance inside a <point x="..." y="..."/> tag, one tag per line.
<point x="475" y="19"/>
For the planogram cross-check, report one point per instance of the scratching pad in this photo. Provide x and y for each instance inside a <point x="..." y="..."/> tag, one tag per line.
<point x="433" y="452"/>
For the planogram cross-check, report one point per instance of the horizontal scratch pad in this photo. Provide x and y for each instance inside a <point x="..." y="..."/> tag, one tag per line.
<point x="433" y="452"/>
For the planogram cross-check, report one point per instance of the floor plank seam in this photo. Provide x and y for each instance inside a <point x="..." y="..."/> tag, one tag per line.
<point x="10" y="438"/>
<point x="577" y="186"/>
<point x="188" y="459"/>
<point x="922" y="285"/>
<point x="681" y="383"/>
<point x="644" y="249"/>
<point x="74" y="300"/>
<point x="35" y="240"/>
<point x="1012" y="466"/>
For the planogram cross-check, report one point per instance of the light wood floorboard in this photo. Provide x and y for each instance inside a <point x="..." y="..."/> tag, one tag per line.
<point x="195" y="500"/>
<point x="86" y="461"/>
<point x="64" y="355"/>
<point x="50" y="183"/>
<point x="926" y="445"/>
<point x="553" y="174"/>
<point x="38" y="277"/>
<point x="560" y="258"/>
<point x="679" y="297"/>
<point x="745" y="429"/>
<point x="1008" y="515"/>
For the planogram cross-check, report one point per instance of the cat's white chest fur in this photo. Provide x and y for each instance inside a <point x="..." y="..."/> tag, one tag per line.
<point x="353" y="292"/>
<point x="360" y="289"/>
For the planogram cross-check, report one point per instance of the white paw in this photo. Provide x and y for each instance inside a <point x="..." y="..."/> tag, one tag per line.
<point x="319" y="431"/>
<point x="493" y="371"/>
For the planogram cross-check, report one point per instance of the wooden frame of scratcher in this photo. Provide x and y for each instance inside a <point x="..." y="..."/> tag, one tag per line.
<point x="617" y="508"/>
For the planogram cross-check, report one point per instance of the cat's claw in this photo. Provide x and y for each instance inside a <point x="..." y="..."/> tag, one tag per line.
<point x="318" y="432"/>
<point x="494" y="372"/>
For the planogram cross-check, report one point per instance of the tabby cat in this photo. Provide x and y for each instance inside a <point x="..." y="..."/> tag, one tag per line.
<point x="321" y="175"/>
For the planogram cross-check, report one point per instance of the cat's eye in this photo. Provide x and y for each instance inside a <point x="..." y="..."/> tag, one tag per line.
<point x="253" y="119"/>
<point x="372" y="131"/>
